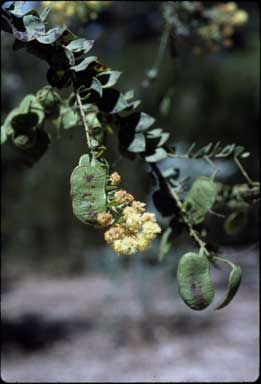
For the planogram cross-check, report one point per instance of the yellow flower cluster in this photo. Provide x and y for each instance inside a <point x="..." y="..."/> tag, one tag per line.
<point x="134" y="232"/>
<point x="66" y="7"/>
<point x="223" y="19"/>
<point x="72" y="8"/>
<point x="229" y="13"/>
<point x="115" y="178"/>
<point x="104" y="219"/>
<point x="122" y="196"/>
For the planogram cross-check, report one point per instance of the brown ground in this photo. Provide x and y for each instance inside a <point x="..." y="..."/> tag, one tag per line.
<point x="126" y="331"/>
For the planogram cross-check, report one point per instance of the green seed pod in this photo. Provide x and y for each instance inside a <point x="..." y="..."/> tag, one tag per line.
<point x="200" y="199"/>
<point x="88" y="195"/>
<point x="194" y="283"/>
<point x="233" y="285"/>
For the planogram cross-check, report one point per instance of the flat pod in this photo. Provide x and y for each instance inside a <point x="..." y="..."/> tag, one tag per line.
<point x="194" y="283"/>
<point x="88" y="182"/>
<point x="200" y="198"/>
<point x="233" y="285"/>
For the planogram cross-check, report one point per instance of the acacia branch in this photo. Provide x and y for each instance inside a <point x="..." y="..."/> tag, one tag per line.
<point x="83" y="118"/>
<point x="192" y="232"/>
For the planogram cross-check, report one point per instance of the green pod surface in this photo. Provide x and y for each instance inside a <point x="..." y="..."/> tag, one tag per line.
<point x="194" y="282"/>
<point x="88" y="190"/>
<point x="200" y="199"/>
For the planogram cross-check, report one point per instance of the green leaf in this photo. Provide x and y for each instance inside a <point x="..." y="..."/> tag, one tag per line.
<point x="158" y="155"/>
<point x="27" y="103"/>
<point x="233" y="286"/>
<point x="21" y="141"/>
<point x="109" y="78"/>
<point x="33" y="25"/>
<point x="200" y="198"/>
<point x="96" y="86"/>
<point x="203" y="151"/>
<point x="66" y="37"/>
<point x="84" y="64"/>
<point x="94" y="143"/>
<point x="92" y="120"/>
<point x="129" y="95"/>
<point x="69" y="119"/>
<point x="194" y="282"/>
<point x="49" y="100"/>
<point x="238" y="150"/>
<point x="226" y="151"/>
<point x="164" y="138"/>
<point x="215" y="149"/>
<point x="154" y="133"/>
<point x="69" y="55"/>
<point x="79" y="45"/>
<point x="44" y="14"/>
<point x="245" y="155"/>
<point x="112" y="101"/>
<point x="84" y="159"/>
<point x="138" y="144"/>
<point x="165" y="243"/>
<point x="145" y="122"/>
<point x="52" y="35"/>
<point x="16" y="8"/>
<point x="88" y="191"/>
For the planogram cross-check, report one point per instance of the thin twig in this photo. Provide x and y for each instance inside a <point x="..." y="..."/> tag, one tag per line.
<point x="83" y="118"/>
<point x="212" y="165"/>
<point x="244" y="173"/>
<point x="192" y="231"/>
<point x="160" y="55"/>
<point x="224" y="261"/>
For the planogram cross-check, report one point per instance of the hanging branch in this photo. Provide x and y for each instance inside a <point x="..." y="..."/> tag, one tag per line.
<point x="131" y="230"/>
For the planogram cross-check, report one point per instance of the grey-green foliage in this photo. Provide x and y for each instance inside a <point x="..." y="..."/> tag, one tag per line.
<point x="194" y="282"/>
<point x="217" y="150"/>
<point x="88" y="195"/>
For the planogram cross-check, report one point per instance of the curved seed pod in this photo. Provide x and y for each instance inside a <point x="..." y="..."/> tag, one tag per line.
<point x="233" y="285"/>
<point x="88" y="190"/>
<point x="200" y="198"/>
<point x="194" y="283"/>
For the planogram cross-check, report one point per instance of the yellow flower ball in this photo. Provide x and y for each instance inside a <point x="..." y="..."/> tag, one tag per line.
<point x="239" y="18"/>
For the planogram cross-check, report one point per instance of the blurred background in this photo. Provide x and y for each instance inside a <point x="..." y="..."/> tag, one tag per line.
<point x="72" y="310"/>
